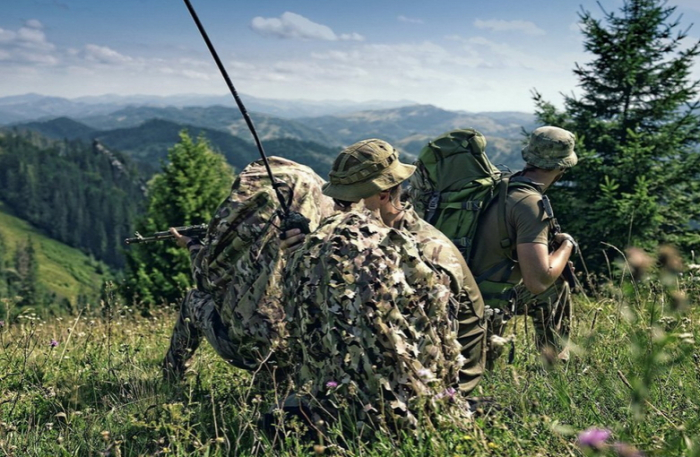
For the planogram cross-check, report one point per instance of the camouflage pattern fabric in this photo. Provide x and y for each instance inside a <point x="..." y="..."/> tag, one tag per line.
<point x="550" y="312"/>
<point x="198" y="317"/>
<point x="372" y="326"/>
<point x="435" y="248"/>
<point x="550" y="147"/>
<point x="239" y="264"/>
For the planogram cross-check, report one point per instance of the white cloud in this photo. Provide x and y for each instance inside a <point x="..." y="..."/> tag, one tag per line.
<point x="499" y="25"/>
<point x="6" y="36"/>
<point x="27" y="45"/>
<point x="34" y="24"/>
<point x="105" y="55"/>
<point x="295" y="26"/>
<point x="409" y="20"/>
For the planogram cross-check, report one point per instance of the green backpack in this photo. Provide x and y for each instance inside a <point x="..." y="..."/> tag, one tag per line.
<point x="454" y="183"/>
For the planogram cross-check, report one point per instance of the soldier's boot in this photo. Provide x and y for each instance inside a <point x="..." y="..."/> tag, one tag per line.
<point x="184" y="342"/>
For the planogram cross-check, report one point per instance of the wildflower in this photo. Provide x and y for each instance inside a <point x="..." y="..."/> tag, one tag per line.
<point x="2" y="324"/>
<point x="448" y="393"/>
<point x="593" y="438"/>
<point x="639" y="262"/>
<point x="670" y="259"/>
<point x="425" y="374"/>
<point x="53" y="343"/>
<point x="331" y="384"/>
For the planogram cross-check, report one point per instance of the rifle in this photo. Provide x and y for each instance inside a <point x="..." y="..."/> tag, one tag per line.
<point x="568" y="273"/>
<point x="290" y="219"/>
<point x="193" y="231"/>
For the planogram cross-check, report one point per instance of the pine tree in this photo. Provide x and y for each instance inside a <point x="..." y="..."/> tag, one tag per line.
<point x="27" y="269"/>
<point x="192" y="184"/>
<point x="4" y="290"/>
<point x="638" y="129"/>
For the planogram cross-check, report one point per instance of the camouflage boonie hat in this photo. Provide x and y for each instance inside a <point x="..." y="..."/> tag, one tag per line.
<point x="365" y="169"/>
<point x="550" y="148"/>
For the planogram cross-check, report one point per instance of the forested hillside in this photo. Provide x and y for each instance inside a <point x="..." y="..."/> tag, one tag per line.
<point x="80" y="194"/>
<point x="149" y="142"/>
<point x="43" y="272"/>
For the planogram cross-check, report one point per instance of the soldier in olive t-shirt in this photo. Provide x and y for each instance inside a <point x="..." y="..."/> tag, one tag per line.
<point x="526" y="276"/>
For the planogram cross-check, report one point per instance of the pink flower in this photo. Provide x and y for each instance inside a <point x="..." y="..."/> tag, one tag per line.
<point x="594" y="438"/>
<point x="331" y="384"/>
<point x="53" y="343"/>
<point x="2" y="324"/>
<point x="448" y="393"/>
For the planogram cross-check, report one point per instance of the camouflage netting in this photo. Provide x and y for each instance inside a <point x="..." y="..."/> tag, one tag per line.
<point x="372" y="327"/>
<point x="241" y="261"/>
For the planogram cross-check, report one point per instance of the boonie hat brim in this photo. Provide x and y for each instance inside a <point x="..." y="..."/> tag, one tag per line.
<point x="393" y="175"/>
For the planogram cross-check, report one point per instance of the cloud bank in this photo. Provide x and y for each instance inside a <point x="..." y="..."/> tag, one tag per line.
<point x="295" y="26"/>
<point x="499" y="25"/>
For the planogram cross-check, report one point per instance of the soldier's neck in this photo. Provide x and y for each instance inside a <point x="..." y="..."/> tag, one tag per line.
<point x="546" y="177"/>
<point x="391" y="216"/>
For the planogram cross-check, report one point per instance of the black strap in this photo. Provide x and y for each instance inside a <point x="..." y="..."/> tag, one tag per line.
<point x="506" y="265"/>
<point x="433" y="205"/>
<point x="506" y="242"/>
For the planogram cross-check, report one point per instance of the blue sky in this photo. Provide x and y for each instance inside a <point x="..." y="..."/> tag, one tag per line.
<point x="474" y="56"/>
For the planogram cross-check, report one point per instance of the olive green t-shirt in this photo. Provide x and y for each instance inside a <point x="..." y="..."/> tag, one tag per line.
<point x="526" y="222"/>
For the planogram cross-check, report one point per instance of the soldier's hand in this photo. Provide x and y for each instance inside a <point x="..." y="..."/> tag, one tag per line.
<point x="291" y="240"/>
<point x="560" y="238"/>
<point x="180" y="240"/>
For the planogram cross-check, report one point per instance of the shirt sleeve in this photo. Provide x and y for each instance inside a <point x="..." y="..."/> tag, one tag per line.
<point x="529" y="220"/>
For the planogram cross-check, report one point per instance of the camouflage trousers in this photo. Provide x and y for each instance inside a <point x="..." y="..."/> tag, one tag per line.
<point x="551" y="317"/>
<point x="198" y="318"/>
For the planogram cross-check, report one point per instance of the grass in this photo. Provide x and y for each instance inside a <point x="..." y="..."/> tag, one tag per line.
<point x="635" y="370"/>
<point x="63" y="270"/>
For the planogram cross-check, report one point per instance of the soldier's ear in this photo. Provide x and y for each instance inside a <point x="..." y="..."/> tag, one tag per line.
<point x="384" y="195"/>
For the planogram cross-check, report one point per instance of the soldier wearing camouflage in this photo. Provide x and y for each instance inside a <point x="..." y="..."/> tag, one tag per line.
<point x="372" y="328"/>
<point x="237" y="269"/>
<point x="369" y="171"/>
<point x="532" y="278"/>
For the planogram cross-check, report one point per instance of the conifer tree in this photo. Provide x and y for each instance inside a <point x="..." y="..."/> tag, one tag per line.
<point x="193" y="182"/>
<point x="27" y="269"/>
<point x="638" y="129"/>
<point x="4" y="291"/>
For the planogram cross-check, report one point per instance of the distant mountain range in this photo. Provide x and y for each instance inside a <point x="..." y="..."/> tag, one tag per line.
<point x="28" y="107"/>
<point x="146" y="131"/>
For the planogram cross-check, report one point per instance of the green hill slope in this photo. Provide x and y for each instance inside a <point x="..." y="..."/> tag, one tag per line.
<point x="65" y="271"/>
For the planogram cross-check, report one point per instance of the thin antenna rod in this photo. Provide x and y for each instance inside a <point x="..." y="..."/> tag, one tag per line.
<point x="241" y="107"/>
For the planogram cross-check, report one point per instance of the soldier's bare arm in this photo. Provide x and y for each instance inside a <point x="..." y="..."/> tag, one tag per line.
<point x="539" y="267"/>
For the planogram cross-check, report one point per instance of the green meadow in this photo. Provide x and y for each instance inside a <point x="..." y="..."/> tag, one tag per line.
<point x="91" y="385"/>
<point x="62" y="270"/>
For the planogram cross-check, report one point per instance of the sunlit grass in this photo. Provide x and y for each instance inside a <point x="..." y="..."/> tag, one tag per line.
<point x="99" y="391"/>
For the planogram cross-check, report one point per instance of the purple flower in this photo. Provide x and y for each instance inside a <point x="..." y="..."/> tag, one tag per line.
<point x="53" y="343"/>
<point x="2" y="324"/>
<point x="331" y="384"/>
<point x="448" y="393"/>
<point x="593" y="437"/>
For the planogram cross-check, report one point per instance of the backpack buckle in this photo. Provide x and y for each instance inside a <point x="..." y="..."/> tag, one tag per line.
<point x="434" y="201"/>
<point x="471" y="205"/>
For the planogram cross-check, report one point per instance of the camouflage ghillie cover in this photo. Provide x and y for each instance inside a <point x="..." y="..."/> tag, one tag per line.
<point x="241" y="258"/>
<point x="372" y="326"/>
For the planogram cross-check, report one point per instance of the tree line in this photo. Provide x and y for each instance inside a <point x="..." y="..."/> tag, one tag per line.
<point x="636" y="119"/>
<point x="78" y="193"/>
